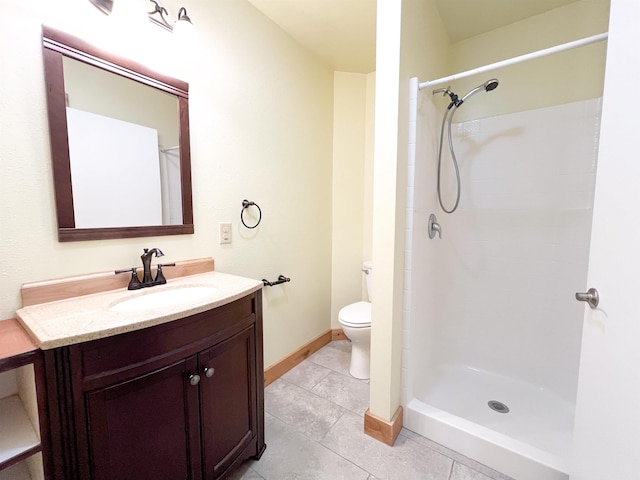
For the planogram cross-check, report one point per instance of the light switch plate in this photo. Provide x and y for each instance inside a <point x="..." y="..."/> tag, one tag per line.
<point x="225" y="233"/>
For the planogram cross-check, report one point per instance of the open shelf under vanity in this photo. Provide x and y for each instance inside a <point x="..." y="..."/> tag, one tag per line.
<point x="19" y="420"/>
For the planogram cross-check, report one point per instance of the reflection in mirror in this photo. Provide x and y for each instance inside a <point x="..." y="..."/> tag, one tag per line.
<point x="125" y="170"/>
<point x="123" y="137"/>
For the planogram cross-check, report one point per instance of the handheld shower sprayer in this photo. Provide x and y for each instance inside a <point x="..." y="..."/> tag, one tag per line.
<point x="487" y="86"/>
<point x="491" y="84"/>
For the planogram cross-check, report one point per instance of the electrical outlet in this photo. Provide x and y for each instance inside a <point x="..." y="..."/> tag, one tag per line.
<point x="225" y="232"/>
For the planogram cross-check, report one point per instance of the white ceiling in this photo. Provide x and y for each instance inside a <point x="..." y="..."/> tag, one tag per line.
<point x="343" y="32"/>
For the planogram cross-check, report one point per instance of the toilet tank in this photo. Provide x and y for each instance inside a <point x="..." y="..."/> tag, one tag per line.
<point x="367" y="269"/>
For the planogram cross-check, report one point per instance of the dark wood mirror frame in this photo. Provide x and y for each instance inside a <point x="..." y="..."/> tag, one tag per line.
<point x="57" y="44"/>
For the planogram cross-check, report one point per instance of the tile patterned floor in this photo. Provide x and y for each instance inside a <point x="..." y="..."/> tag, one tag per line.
<point x="313" y="424"/>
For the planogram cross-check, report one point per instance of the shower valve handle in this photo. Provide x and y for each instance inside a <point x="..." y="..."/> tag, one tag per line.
<point x="434" y="227"/>
<point x="591" y="297"/>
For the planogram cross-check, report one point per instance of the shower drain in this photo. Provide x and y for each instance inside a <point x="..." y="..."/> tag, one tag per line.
<point x="498" y="406"/>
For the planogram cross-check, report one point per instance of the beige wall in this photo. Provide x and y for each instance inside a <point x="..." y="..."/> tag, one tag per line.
<point x="261" y="128"/>
<point x="368" y="170"/>
<point x="411" y="41"/>
<point x="561" y="78"/>
<point x="426" y="49"/>
<point x="351" y="190"/>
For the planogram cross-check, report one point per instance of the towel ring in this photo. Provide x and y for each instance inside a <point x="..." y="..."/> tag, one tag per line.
<point x="246" y="204"/>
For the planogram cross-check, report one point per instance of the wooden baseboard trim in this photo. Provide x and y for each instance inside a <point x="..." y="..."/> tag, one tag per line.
<point x="338" y="334"/>
<point x="275" y="371"/>
<point x="58" y="289"/>
<point x="382" y="430"/>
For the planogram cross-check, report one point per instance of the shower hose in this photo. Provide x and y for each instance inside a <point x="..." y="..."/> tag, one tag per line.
<point x="446" y="120"/>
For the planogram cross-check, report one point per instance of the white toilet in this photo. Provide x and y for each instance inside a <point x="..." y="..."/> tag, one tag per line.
<point x="356" y="325"/>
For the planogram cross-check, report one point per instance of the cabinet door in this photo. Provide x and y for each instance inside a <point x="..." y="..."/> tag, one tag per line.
<point x="146" y="427"/>
<point x="228" y="401"/>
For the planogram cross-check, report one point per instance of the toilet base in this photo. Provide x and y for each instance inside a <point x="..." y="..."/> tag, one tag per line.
<point x="359" y="335"/>
<point x="360" y="361"/>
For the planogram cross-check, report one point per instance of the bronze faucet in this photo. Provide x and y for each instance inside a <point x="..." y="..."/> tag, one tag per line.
<point x="146" y="263"/>
<point x="147" y="278"/>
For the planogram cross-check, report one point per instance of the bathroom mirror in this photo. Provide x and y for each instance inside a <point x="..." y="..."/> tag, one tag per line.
<point x="120" y="147"/>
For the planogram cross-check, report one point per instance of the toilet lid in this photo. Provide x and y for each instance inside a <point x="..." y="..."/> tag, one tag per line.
<point x="356" y="315"/>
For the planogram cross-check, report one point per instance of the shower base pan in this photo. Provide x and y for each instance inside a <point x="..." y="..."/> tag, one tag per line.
<point x="513" y="427"/>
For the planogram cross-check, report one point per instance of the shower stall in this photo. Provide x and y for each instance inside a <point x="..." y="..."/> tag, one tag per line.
<point x="492" y="329"/>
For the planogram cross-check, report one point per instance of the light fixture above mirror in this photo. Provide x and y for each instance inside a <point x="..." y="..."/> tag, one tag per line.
<point x="158" y="15"/>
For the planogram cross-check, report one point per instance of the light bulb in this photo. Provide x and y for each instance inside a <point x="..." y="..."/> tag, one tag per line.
<point x="131" y="13"/>
<point x="183" y="27"/>
<point x="129" y="28"/>
<point x="183" y="43"/>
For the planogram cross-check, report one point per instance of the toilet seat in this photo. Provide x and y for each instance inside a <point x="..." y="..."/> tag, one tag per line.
<point x="356" y="315"/>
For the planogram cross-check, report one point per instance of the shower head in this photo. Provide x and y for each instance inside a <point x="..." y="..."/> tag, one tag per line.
<point x="491" y="84"/>
<point x="487" y="87"/>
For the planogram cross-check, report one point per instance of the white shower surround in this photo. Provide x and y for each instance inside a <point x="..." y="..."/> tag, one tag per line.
<point x="489" y="309"/>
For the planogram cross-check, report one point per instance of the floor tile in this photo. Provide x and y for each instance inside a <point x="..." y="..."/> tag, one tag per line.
<point x="335" y="357"/>
<point x="293" y="456"/>
<point x="405" y="460"/>
<point x="345" y="391"/>
<point x="306" y="375"/>
<point x="314" y="431"/>
<point x="457" y="457"/>
<point x="246" y="472"/>
<point x="462" y="472"/>
<point x="302" y="410"/>
<point x="343" y="345"/>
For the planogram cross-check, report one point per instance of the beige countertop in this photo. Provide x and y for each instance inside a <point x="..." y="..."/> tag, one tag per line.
<point x="88" y="317"/>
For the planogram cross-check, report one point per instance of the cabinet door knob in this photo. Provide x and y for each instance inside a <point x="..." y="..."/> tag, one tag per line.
<point x="209" y="371"/>
<point x="194" y="379"/>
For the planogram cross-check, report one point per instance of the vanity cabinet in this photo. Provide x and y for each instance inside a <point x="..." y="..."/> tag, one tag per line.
<point x="180" y="400"/>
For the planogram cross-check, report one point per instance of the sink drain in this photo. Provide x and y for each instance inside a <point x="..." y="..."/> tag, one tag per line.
<point x="498" y="406"/>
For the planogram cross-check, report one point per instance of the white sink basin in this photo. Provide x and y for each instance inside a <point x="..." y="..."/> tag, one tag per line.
<point x="162" y="298"/>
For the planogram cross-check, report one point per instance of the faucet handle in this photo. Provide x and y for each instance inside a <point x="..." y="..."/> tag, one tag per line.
<point x="134" y="283"/>
<point x="160" y="280"/>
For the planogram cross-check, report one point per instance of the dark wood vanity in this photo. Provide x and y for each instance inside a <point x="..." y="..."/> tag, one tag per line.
<point x="169" y="392"/>
<point x="180" y="400"/>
